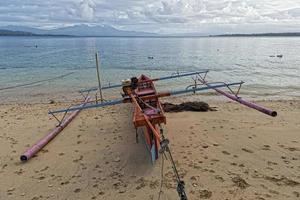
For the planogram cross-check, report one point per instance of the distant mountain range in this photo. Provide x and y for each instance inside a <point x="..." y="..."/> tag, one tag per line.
<point x="77" y="30"/>
<point x="22" y="33"/>
<point x="108" y="31"/>
<point x="14" y="33"/>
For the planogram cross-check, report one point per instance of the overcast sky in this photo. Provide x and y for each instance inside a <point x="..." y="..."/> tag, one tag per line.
<point x="167" y="16"/>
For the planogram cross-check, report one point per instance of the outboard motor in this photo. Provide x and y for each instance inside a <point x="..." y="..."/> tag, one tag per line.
<point x="134" y="83"/>
<point x="129" y="85"/>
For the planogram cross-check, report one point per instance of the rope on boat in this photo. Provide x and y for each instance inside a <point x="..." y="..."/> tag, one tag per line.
<point x="146" y="104"/>
<point x="165" y="150"/>
<point x="161" y="178"/>
<point x="35" y="82"/>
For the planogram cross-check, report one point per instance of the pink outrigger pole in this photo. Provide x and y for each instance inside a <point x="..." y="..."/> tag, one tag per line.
<point x="44" y="141"/>
<point x="248" y="103"/>
<point x="240" y="100"/>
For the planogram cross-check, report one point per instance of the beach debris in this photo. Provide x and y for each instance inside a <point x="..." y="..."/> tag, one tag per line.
<point x="278" y="56"/>
<point x="239" y="182"/>
<point x="198" y="106"/>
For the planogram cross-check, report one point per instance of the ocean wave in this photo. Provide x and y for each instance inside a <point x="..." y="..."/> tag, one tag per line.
<point x="241" y="65"/>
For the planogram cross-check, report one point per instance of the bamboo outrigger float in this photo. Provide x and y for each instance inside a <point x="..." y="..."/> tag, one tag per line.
<point x="148" y="113"/>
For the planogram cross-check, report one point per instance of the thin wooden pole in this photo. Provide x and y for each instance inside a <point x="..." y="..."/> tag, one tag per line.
<point x="98" y="76"/>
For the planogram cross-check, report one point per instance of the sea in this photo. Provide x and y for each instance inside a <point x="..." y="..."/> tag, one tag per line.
<point x="43" y="69"/>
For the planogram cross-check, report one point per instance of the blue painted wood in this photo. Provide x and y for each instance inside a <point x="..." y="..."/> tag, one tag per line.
<point x="157" y="79"/>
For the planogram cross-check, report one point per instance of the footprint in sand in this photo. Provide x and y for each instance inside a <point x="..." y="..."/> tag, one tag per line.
<point x="286" y="162"/>
<point x="266" y="147"/>
<point x="271" y="163"/>
<point x="296" y="194"/>
<point x="65" y="183"/>
<point x="293" y="149"/>
<point x="77" y="190"/>
<point x="41" y="178"/>
<point x="79" y="159"/>
<point x="220" y="178"/>
<point x="44" y="151"/>
<point x="10" y="191"/>
<point x="282" y="181"/>
<point x="4" y="166"/>
<point x="204" y="194"/>
<point x="19" y="172"/>
<point x="247" y="150"/>
<point x="241" y="165"/>
<point x="226" y="152"/>
<point x="273" y="192"/>
<point x="270" y="168"/>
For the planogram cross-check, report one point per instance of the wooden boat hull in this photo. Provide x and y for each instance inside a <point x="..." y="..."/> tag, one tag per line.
<point x="152" y="110"/>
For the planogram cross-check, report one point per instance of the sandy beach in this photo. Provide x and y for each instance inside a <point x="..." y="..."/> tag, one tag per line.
<point x="232" y="153"/>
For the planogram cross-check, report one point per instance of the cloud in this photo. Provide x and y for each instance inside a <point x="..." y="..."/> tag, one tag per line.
<point x="86" y="9"/>
<point x="158" y="16"/>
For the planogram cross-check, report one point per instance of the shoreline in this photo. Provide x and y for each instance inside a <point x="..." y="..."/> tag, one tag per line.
<point x="62" y="97"/>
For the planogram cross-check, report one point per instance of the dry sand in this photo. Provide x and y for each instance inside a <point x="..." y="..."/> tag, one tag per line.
<point x="233" y="153"/>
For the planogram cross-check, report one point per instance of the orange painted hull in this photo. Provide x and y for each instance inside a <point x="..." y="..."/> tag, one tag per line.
<point x="148" y="113"/>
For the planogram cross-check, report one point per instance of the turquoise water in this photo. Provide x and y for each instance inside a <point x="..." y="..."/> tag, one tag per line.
<point x="229" y="59"/>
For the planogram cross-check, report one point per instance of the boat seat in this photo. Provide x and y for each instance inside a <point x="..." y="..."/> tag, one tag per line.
<point x="151" y="111"/>
<point x="144" y="92"/>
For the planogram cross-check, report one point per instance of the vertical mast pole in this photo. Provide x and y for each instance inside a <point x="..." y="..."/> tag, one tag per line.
<point x="98" y="76"/>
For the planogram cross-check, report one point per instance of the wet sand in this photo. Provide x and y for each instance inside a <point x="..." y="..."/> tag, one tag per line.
<point x="233" y="153"/>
